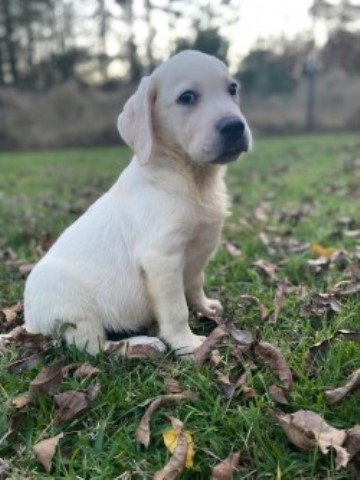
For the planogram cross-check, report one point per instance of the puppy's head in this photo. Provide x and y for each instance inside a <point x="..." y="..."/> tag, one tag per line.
<point x="188" y="106"/>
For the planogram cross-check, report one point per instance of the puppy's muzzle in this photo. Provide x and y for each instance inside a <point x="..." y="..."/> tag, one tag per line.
<point x="233" y="137"/>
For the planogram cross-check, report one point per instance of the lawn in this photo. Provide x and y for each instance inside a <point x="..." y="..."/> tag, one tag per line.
<point x="288" y="194"/>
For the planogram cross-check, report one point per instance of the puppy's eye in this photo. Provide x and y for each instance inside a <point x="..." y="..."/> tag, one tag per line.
<point x="187" y="98"/>
<point x="233" y="89"/>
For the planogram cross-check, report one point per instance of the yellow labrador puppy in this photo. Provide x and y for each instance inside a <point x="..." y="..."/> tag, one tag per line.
<point x="138" y="253"/>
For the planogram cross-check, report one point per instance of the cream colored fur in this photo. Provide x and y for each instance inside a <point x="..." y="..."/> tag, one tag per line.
<point x="138" y="253"/>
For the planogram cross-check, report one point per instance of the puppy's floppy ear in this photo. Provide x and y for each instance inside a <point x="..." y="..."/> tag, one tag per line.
<point x="135" y="122"/>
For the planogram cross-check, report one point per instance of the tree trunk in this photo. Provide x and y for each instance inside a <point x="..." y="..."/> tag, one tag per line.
<point x="9" y="40"/>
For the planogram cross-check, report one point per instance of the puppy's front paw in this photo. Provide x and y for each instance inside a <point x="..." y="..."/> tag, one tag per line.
<point x="210" y="308"/>
<point x="189" y="345"/>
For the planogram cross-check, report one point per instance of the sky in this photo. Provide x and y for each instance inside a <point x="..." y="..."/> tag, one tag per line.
<point x="258" y="20"/>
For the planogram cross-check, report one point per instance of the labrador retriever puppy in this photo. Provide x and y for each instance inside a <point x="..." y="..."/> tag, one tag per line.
<point x="138" y="253"/>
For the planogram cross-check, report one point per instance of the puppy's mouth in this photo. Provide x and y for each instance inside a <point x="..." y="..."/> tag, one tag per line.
<point x="232" y="153"/>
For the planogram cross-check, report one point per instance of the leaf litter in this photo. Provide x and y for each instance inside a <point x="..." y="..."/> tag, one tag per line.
<point x="336" y="395"/>
<point x="143" y="431"/>
<point x="306" y="429"/>
<point x="175" y="466"/>
<point x="45" y="450"/>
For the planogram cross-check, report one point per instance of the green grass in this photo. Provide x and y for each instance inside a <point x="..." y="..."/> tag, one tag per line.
<point x="42" y="193"/>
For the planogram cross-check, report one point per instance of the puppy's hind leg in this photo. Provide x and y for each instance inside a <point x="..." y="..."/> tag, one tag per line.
<point x="86" y="334"/>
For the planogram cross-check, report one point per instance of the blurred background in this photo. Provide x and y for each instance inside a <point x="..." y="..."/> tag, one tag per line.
<point x="67" y="66"/>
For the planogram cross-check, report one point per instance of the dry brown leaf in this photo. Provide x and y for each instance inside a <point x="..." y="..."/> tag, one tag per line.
<point x="227" y="387"/>
<point x="267" y="268"/>
<point x="318" y="265"/>
<point x="203" y="352"/>
<point x="251" y="299"/>
<point x="47" y="382"/>
<point x="172" y="385"/>
<point x="20" y="402"/>
<point x="348" y="290"/>
<point x="280" y="295"/>
<point x="175" y="466"/>
<point x="9" y="316"/>
<point x="355" y="273"/>
<point x="277" y="362"/>
<point x="336" y="395"/>
<point x="72" y="404"/>
<point x="143" y="430"/>
<point x="225" y="469"/>
<point x="215" y="358"/>
<point x="352" y="441"/>
<point x="45" y="450"/>
<point x="28" y="340"/>
<point x="243" y="337"/>
<point x="233" y="250"/>
<point x="79" y="370"/>
<point x="25" y="268"/>
<point x="263" y="211"/>
<point x="305" y="429"/>
<point x="26" y="362"/>
<point x="248" y="393"/>
<point x="277" y="394"/>
<point x="328" y="300"/>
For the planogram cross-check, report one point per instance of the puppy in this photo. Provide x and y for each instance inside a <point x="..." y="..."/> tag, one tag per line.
<point x="138" y="253"/>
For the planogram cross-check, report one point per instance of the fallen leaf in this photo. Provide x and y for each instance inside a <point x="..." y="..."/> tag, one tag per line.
<point x="305" y="429"/>
<point x="252" y="300"/>
<point x="9" y="316"/>
<point x="348" y="290"/>
<point x="227" y="387"/>
<point x="45" y="450"/>
<point x="336" y="395"/>
<point x="25" y="268"/>
<point x="243" y="337"/>
<point x="171" y="440"/>
<point x="176" y="464"/>
<point x="263" y="211"/>
<point x="248" y="393"/>
<point x="215" y="358"/>
<point x="79" y="370"/>
<point x="232" y="250"/>
<point x="277" y="394"/>
<point x="203" y="351"/>
<point x="321" y="251"/>
<point x="225" y="469"/>
<point x="278" y="302"/>
<point x="277" y="362"/>
<point x="318" y="265"/>
<point x="355" y="273"/>
<point x="172" y="385"/>
<point x="20" y="402"/>
<point x="72" y="404"/>
<point x="47" y="382"/>
<point x="327" y="299"/>
<point x="352" y="441"/>
<point x="143" y="430"/>
<point x="267" y="268"/>
<point x="26" y="362"/>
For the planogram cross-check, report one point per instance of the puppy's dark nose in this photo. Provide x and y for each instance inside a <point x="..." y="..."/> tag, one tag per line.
<point x="231" y="128"/>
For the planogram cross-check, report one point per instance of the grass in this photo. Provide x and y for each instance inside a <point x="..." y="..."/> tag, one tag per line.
<point x="42" y="193"/>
